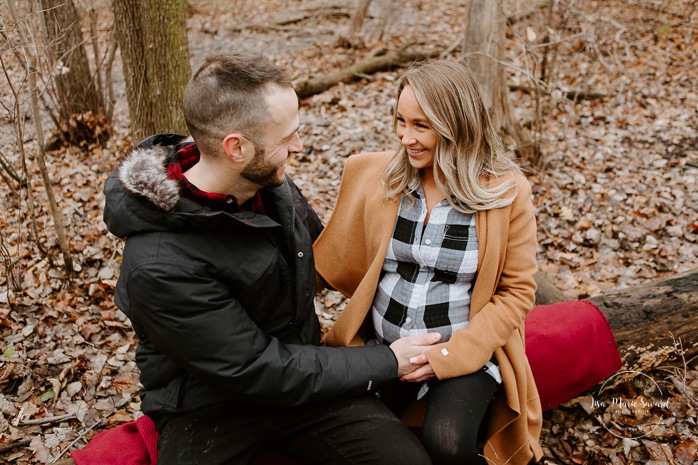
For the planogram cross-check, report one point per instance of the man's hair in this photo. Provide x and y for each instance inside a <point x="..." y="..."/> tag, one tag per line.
<point x="468" y="146"/>
<point x="227" y="94"/>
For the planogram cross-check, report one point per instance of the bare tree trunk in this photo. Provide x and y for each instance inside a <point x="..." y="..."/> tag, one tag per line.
<point x="75" y="88"/>
<point x="483" y="49"/>
<point x="357" y="19"/>
<point x="154" y="50"/>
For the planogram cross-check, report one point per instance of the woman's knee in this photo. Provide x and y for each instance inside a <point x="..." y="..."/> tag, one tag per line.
<point x="448" y="446"/>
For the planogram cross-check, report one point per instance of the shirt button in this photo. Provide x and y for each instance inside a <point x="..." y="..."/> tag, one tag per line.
<point x="300" y="254"/>
<point x="408" y="320"/>
<point x="428" y="241"/>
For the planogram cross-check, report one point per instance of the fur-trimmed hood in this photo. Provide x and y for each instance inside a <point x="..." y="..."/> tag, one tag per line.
<point x="141" y="197"/>
<point x="144" y="173"/>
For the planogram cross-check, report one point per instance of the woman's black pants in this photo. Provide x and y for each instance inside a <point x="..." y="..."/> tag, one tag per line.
<point x="455" y="409"/>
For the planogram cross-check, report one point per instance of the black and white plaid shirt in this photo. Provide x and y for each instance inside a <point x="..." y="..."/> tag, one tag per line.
<point x="428" y="274"/>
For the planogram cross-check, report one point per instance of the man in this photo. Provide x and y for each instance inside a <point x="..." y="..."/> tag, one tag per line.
<point x="218" y="281"/>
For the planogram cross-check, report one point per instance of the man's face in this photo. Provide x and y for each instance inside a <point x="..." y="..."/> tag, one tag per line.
<point x="279" y="139"/>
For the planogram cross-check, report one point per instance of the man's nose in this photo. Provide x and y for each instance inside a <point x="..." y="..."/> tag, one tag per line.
<point x="296" y="145"/>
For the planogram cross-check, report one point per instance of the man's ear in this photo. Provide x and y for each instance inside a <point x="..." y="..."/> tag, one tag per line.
<point x="234" y="147"/>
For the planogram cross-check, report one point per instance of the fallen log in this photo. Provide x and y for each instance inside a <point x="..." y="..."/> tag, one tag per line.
<point x="574" y="95"/>
<point x="547" y="293"/>
<point x="652" y="312"/>
<point x="378" y="60"/>
<point x="645" y="315"/>
<point x="640" y="315"/>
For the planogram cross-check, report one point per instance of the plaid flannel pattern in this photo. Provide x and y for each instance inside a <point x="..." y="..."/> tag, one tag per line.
<point x="428" y="274"/>
<point x="189" y="156"/>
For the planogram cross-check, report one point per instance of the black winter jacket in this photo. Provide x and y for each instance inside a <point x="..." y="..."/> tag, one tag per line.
<point x="223" y="303"/>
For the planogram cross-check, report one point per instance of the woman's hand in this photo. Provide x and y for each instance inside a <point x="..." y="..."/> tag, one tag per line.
<point x="422" y="373"/>
<point x="409" y="348"/>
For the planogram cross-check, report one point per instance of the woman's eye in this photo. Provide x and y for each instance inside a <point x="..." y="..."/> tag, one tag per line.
<point x="422" y="126"/>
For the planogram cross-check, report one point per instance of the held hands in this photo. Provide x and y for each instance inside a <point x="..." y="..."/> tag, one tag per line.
<point x="423" y="373"/>
<point x="409" y="353"/>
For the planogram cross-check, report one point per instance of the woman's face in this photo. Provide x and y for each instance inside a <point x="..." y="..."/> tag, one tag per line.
<point x="414" y="130"/>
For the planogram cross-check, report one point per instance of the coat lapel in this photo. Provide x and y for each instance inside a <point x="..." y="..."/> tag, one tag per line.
<point x="347" y="329"/>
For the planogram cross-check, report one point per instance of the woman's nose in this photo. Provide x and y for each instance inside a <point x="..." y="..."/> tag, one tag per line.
<point x="407" y="138"/>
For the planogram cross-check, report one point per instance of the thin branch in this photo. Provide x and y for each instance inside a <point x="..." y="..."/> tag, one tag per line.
<point x="21" y="443"/>
<point x="506" y="65"/>
<point x="678" y="347"/>
<point x="58" y="220"/>
<point x="109" y="96"/>
<point x="451" y="47"/>
<point x="22" y="63"/>
<point x="10" y="171"/>
<point x="516" y="17"/>
<point x="19" y="136"/>
<point x="47" y="420"/>
<point x="81" y="436"/>
<point x="97" y="77"/>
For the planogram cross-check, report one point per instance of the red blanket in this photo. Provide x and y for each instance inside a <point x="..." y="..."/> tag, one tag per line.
<point x="132" y="443"/>
<point x="569" y="345"/>
<point x="570" y="348"/>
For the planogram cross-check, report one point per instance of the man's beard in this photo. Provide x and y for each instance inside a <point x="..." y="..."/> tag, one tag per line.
<point x="260" y="171"/>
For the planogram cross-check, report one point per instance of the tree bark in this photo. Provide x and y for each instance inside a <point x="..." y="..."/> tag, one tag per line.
<point x="483" y="49"/>
<point x="546" y="292"/>
<point x="646" y="314"/>
<point x="357" y="19"/>
<point x="650" y="313"/>
<point x="76" y="91"/>
<point x="155" y="54"/>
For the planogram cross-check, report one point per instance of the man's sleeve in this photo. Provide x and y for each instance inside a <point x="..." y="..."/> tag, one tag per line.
<point x="196" y="322"/>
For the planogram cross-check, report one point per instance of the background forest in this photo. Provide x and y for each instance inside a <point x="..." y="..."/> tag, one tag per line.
<point x="605" y="92"/>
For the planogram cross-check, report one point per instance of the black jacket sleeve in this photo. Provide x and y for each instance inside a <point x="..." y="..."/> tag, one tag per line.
<point x="215" y="340"/>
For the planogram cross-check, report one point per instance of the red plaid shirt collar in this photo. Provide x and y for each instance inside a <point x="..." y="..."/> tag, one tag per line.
<point x="189" y="156"/>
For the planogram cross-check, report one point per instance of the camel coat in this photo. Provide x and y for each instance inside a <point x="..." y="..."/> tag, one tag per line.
<point x="349" y="255"/>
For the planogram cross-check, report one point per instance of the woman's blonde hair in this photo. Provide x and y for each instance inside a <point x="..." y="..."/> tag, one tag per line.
<point x="468" y="147"/>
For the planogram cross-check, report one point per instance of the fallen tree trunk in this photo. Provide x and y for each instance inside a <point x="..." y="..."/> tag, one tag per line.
<point x="547" y="293"/>
<point x="378" y="60"/>
<point x="652" y="312"/>
<point x="639" y="316"/>
<point x="644" y="315"/>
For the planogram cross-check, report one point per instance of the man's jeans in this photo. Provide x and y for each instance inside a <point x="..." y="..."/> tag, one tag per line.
<point x="350" y="431"/>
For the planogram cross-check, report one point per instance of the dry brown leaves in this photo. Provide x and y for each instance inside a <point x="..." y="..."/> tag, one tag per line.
<point x="616" y="201"/>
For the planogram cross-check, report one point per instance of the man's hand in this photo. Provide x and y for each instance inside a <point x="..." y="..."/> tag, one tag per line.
<point x="410" y="348"/>
<point x="422" y="373"/>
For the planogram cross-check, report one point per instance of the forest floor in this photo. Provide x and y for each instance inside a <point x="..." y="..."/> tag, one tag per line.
<point x="615" y="196"/>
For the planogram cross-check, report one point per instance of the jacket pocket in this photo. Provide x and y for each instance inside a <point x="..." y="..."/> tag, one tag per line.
<point x="164" y="399"/>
